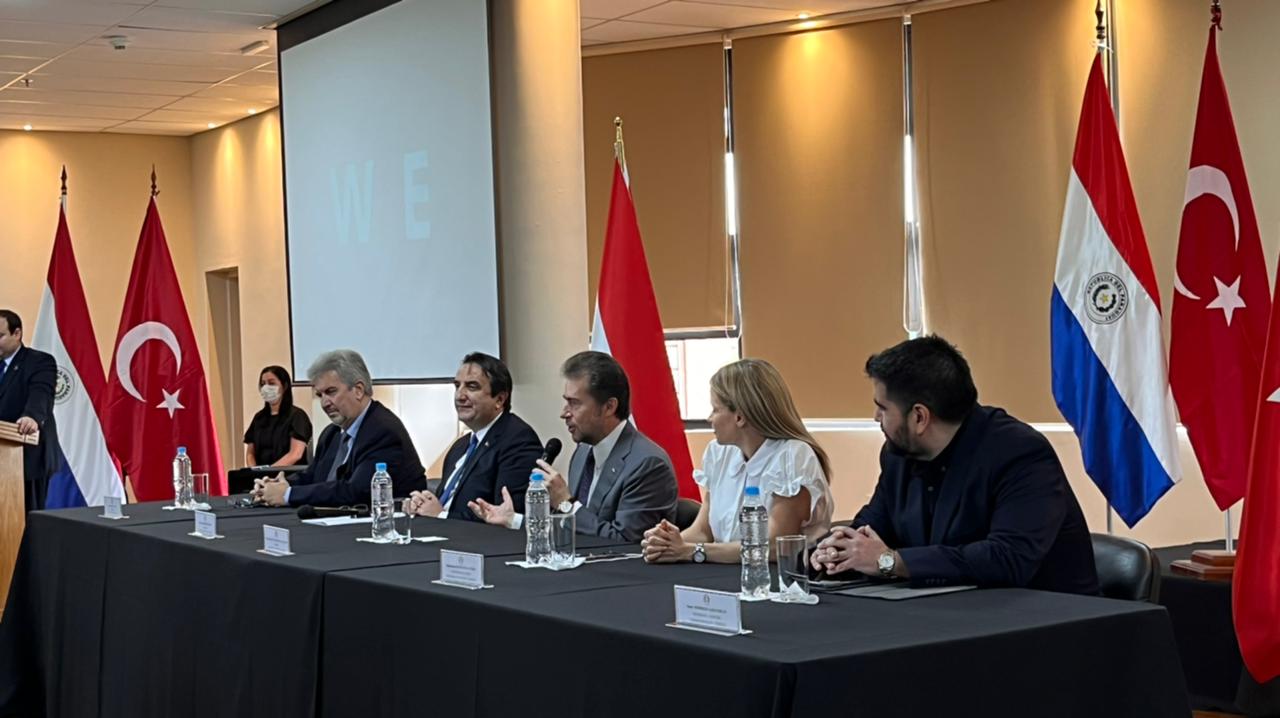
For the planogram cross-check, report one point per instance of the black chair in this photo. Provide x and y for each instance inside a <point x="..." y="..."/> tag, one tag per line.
<point x="686" y="512"/>
<point x="1127" y="569"/>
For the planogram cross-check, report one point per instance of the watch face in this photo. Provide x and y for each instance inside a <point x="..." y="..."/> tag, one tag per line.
<point x="885" y="562"/>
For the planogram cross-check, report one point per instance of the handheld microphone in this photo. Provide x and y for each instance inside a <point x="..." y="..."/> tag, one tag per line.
<point x="324" y="512"/>
<point x="552" y="450"/>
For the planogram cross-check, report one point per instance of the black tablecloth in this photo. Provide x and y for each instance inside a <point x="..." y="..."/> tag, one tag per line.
<point x="137" y="618"/>
<point x="593" y="642"/>
<point x="1202" y="624"/>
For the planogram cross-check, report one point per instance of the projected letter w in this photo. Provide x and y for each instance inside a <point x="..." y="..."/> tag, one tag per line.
<point x="352" y="201"/>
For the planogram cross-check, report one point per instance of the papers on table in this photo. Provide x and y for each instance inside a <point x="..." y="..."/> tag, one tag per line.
<point x="898" y="591"/>
<point x="344" y="520"/>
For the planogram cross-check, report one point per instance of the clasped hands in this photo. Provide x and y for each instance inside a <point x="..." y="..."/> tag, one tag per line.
<point x="849" y="549"/>
<point x="269" y="492"/>
<point x="664" y="544"/>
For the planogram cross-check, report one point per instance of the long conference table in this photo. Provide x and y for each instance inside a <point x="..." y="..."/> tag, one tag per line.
<point x="137" y="618"/>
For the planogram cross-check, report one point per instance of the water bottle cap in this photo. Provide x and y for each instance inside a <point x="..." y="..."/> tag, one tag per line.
<point x="536" y="476"/>
<point x="380" y="466"/>
<point x="752" y="491"/>
<point x="182" y="451"/>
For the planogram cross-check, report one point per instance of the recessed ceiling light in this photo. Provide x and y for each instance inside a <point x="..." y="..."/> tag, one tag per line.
<point x="252" y="111"/>
<point x="803" y="16"/>
<point x="27" y="127"/>
<point x="213" y="125"/>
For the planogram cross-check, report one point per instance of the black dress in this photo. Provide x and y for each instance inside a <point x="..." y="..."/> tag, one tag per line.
<point x="270" y="434"/>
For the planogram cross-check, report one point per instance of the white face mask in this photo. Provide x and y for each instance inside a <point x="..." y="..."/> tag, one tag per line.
<point x="270" y="393"/>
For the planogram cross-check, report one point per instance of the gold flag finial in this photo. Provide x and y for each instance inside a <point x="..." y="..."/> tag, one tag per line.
<point x="154" y="191"/>
<point x="619" y="151"/>
<point x="1215" y="13"/>
<point x="1102" y="26"/>
<point x="64" y="181"/>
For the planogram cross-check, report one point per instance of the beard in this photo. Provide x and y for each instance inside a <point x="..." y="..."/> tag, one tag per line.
<point x="900" y="443"/>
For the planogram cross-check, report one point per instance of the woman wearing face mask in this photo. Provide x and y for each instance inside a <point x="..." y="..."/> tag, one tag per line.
<point x="760" y="441"/>
<point x="280" y="433"/>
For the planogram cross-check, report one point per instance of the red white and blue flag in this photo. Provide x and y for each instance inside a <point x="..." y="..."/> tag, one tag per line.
<point x="86" y="472"/>
<point x="1110" y="378"/>
<point x="628" y="327"/>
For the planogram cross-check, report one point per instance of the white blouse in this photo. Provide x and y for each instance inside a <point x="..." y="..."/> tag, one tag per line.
<point x="779" y="467"/>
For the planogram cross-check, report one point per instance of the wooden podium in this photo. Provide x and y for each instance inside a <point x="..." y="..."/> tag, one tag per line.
<point x="13" y="512"/>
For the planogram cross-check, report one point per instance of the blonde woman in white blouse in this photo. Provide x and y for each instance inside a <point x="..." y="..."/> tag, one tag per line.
<point x="760" y="441"/>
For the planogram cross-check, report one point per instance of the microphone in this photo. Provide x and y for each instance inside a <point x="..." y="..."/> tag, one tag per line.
<point x="552" y="450"/>
<point x="324" y="512"/>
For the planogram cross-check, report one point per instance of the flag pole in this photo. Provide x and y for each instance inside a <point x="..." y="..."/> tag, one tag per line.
<point x="1101" y="43"/>
<point x="1229" y="543"/>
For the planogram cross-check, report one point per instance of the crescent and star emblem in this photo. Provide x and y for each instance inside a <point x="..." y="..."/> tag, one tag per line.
<point x="130" y="343"/>
<point x="1207" y="180"/>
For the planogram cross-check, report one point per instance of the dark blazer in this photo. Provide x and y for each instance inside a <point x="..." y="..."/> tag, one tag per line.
<point x="382" y="438"/>
<point x="506" y="457"/>
<point x="1005" y="515"/>
<point x="26" y="389"/>
<point x="636" y="488"/>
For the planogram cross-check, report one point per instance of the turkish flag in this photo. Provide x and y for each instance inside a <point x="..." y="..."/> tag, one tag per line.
<point x="157" y="399"/>
<point x="628" y="327"/>
<point x="1221" y="300"/>
<point x="1256" y="585"/>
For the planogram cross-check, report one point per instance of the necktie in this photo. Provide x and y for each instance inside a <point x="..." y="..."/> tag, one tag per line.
<point x="452" y="485"/>
<point x="339" y="456"/>
<point x="588" y="475"/>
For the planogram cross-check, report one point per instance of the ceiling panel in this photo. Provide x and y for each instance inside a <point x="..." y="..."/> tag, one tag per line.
<point x="102" y="14"/>
<point x="216" y="105"/>
<point x="41" y="122"/>
<point x="115" y="84"/>
<point x="23" y="48"/>
<point x="185" y="116"/>
<point x="160" y="128"/>
<point x="18" y="107"/>
<point x="135" y="71"/>
<point x="710" y="15"/>
<point x="101" y="99"/>
<point x="816" y="7"/>
<point x="241" y="92"/>
<point x="168" y="18"/>
<point x="49" y="32"/>
<point x="624" y="31"/>
<point x="277" y="8"/>
<point x="104" y="53"/>
<point x="191" y="41"/>
<point x="19" y="64"/>
<point x="609" y="9"/>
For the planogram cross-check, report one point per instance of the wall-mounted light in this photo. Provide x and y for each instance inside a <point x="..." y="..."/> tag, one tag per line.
<point x="255" y="47"/>
<point x="27" y="127"/>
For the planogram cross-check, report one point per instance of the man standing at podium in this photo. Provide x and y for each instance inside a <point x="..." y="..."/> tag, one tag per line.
<point x="27" y="380"/>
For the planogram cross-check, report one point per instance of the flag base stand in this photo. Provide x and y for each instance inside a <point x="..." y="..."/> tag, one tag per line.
<point x="1207" y="565"/>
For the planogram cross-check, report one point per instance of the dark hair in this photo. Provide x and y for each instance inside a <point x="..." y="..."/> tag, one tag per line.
<point x="605" y="378"/>
<point x="496" y="371"/>
<point x="286" y="386"/>
<point x="11" y="318"/>
<point x="928" y="371"/>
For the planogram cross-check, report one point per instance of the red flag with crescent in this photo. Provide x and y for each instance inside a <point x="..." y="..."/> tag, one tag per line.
<point x="157" y="398"/>
<point x="1221" y="297"/>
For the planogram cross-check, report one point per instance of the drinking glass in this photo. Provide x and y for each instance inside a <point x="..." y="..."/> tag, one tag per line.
<point x="563" y="539"/>
<point x="793" y="568"/>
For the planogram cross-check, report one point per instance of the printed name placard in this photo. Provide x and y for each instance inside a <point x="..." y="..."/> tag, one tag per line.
<point x="275" y="541"/>
<point x="206" y="525"/>
<point x="112" y="508"/>
<point x="461" y="569"/>
<point x="701" y="609"/>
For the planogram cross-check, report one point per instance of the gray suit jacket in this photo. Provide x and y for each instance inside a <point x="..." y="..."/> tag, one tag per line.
<point x="636" y="488"/>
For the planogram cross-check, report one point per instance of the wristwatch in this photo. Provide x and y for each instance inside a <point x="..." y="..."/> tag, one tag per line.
<point x="886" y="563"/>
<point x="565" y="507"/>
<point x="699" y="553"/>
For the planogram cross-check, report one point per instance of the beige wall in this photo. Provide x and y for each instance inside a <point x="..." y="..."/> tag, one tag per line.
<point x="108" y="185"/>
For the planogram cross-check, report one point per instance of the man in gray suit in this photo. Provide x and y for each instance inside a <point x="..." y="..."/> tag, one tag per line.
<point x="620" y="482"/>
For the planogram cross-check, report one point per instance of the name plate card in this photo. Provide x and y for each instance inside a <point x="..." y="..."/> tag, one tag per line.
<point x="700" y="609"/>
<point x="462" y="570"/>
<point x="206" y="525"/>
<point x="112" y="508"/>
<point x="275" y="541"/>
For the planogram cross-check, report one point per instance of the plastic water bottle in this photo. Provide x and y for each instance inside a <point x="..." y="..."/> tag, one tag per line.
<point x="381" y="505"/>
<point x="537" y="521"/>
<point x="182" y="479"/>
<point x="753" y="524"/>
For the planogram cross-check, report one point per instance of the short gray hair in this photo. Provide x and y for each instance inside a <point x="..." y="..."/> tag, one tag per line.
<point x="347" y="363"/>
